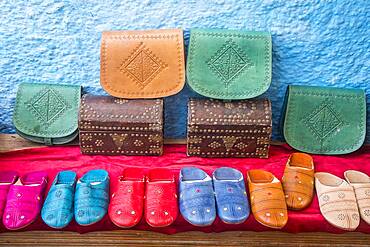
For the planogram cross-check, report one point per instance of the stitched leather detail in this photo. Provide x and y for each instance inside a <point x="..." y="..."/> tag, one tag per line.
<point x="324" y="126"/>
<point x="229" y="61"/>
<point x="147" y="58"/>
<point x="324" y="121"/>
<point x="46" y="110"/>
<point x="142" y="66"/>
<point x="47" y="105"/>
<point x="230" y="64"/>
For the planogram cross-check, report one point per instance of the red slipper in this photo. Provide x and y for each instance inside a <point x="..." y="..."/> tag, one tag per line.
<point x="127" y="201"/>
<point x="161" y="199"/>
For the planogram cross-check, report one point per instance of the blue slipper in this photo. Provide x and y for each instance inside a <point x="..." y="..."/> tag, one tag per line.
<point x="231" y="196"/>
<point x="57" y="211"/>
<point x="197" y="200"/>
<point x="92" y="197"/>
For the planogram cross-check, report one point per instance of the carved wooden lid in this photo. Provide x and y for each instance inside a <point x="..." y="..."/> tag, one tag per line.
<point x="114" y="114"/>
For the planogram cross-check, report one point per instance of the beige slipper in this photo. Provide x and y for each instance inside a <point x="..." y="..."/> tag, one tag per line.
<point x="361" y="184"/>
<point x="337" y="201"/>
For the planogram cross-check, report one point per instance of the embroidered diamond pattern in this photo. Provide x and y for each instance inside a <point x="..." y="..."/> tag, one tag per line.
<point x="229" y="62"/>
<point x="142" y="66"/>
<point x="48" y="105"/>
<point x="324" y="121"/>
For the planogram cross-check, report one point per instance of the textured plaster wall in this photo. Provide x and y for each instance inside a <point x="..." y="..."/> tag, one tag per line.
<point x="314" y="43"/>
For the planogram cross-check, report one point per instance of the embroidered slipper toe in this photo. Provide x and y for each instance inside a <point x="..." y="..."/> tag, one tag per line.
<point x="197" y="200"/>
<point x="231" y="197"/>
<point x="7" y="178"/>
<point x="160" y="198"/>
<point x="57" y="211"/>
<point x="24" y="200"/>
<point x="298" y="181"/>
<point x="337" y="201"/>
<point x="91" y="197"/>
<point x="267" y="199"/>
<point x="127" y="201"/>
<point x="361" y="185"/>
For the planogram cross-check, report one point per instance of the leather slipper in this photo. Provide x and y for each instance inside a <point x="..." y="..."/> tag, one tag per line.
<point x="337" y="201"/>
<point x="197" y="199"/>
<point x="160" y="198"/>
<point x="127" y="200"/>
<point x="267" y="199"/>
<point x="7" y="178"/>
<point x="92" y="197"/>
<point x="298" y="181"/>
<point x="231" y="197"/>
<point x="361" y="185"/>
<point x="57" y="211"/>
<point x="24" y="200"/>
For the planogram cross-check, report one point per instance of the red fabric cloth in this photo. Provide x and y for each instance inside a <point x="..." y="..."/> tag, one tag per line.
<point x="56" y="159"/>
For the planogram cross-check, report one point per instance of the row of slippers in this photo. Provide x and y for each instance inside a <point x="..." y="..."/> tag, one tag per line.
<point x="201" y="197"/>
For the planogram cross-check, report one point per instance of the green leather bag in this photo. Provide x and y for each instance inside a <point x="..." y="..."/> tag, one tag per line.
<point x="225" y="64"/>
<point x="325" y="120"/>
<point x="47" y="113"/>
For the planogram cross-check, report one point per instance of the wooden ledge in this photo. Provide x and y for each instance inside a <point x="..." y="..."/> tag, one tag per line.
<point x="143" y="238"/>
<point x="11" y="142"/>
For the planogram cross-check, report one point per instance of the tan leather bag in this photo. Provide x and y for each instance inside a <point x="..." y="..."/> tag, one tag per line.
<point x="142" y="64"/>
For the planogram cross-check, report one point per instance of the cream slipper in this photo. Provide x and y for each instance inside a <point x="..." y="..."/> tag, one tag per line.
<point x="361" y="184"/>
<point x="337" y="201"/>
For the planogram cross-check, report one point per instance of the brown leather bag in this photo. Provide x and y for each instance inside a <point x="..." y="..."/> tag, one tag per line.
<point x="142" y="64"/>
<point x="112" y="126"/>
<point x="229" y="129"/>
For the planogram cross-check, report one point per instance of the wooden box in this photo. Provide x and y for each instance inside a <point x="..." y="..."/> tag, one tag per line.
<point x="113" y="126"/>
<point x="229" y="128"/>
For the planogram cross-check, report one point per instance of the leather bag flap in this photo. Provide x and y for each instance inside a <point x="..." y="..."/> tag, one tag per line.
<point x="325" y="120"/>
<point x="142" y="64"/>
<point x="225" y="64"/>
<point x="46" y="110"/>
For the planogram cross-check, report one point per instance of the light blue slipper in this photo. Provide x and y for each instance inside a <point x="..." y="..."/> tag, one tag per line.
<point x="92" y="197"/>
<point x="231" y="196"/>
<point x="57" y="211"/>
<point x="197" y="200"/>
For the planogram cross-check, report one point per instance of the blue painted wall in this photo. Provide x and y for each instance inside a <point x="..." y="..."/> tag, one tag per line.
<point x="314" y="43"/>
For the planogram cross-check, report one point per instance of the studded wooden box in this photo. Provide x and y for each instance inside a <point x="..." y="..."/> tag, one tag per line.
<point x="229" y="128"/>
<point x="113" y="126"/>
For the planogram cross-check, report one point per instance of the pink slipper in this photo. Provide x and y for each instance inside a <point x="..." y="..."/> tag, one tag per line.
<point x="24" y="200"/>
<point x="6" y="179"/>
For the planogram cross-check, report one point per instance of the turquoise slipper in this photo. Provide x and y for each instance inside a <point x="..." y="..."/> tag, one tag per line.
<point x="92" y="197"/>
<point x="57" y="211"/>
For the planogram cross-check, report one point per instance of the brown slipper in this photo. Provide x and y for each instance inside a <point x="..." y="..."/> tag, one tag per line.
<point x="298" y="181"/>
<point x="267" y="199"/>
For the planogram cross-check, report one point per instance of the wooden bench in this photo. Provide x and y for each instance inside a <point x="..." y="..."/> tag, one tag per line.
<point x="145" y="238"/>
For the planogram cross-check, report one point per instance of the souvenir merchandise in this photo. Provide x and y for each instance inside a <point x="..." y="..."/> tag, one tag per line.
<point x="337" y="201"/>
<point x="112" y="126"/>
<point x="47" y="113"/>
<point x="229" y="129"/>
<point x="325" y="120"/>
<point x="142" y="63"/>
<point x="267" y="199"/>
